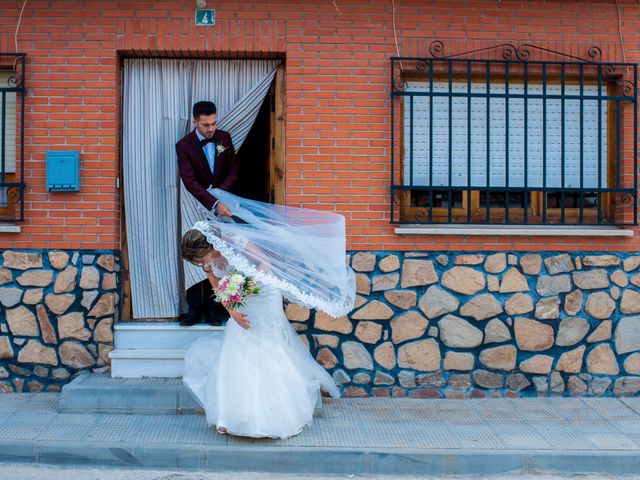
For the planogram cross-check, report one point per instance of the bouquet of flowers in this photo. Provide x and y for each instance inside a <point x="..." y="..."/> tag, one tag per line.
<point x="234" y="289"/>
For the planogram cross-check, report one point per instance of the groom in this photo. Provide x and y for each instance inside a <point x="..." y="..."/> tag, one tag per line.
<point x="206" y="159"/>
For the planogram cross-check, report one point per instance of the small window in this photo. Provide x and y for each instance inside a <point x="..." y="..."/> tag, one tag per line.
<point x="12" y="67"/>
<point x="8" y="116"/>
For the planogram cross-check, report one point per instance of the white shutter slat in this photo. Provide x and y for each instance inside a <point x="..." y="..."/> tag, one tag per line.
<point x="8" y="124"/>
<point x="497" y="142"/>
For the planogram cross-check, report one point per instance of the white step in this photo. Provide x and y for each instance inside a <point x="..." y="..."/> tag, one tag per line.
<point x="159" y="363"/>
<point x="151" y="335"/>
<point x="150" y="349"/>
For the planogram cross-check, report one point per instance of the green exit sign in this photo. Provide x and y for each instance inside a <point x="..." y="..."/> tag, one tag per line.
<point x="205" y="18"/>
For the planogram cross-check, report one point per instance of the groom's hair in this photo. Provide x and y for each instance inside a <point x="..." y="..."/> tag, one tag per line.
<point x="194" y="245"/>
<point x="203" y="108"/>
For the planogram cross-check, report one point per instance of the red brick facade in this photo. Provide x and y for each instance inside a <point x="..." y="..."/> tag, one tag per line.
<point x="337" y="96"/>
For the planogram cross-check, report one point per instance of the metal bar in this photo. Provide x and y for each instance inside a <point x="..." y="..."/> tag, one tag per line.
<point x="562" y="149"/>
<point x="581" y="144"/>
<point x="506" y="142"/>
<point x="516" y="95"/>
<point x="544" y="144"/>
<point x="530" y="62"/>
<point x="488" y="142"/>
<point x="410" y="140"/>
<point x="449" y="194"/>
<point x="517" y="189"/>
<point x="469" y="142"/>
<point x="3" y="141"/>
<point x="430" y="211"/>
<point x="526" y="145"/>
<point x="22" y="95"/>
<point x="635" y="145"/>
<point x="599" y="144"/>
<point x="393" y="170"/>
<point x="618" y="123"/>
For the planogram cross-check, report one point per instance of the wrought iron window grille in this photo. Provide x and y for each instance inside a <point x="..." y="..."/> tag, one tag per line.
<point x="514" y="135"/>
<point x="12" y="116"/>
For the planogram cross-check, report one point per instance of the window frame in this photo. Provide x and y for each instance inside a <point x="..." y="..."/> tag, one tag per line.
<point x="537" y="211"/>
<point x="12" y="68"/>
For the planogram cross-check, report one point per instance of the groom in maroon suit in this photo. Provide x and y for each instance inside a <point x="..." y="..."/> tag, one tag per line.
<point x="206" y="158"/>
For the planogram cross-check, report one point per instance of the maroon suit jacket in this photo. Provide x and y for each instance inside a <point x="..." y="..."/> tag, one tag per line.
<point x="194" y="168"/>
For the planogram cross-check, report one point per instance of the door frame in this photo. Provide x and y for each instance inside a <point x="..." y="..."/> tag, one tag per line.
<point x="276" y="178"/>
<point x="277" y="134"/>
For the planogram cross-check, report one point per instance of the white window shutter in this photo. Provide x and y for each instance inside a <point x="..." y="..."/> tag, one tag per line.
<point x="418" y="139"/>
<point x="8" y="124"/>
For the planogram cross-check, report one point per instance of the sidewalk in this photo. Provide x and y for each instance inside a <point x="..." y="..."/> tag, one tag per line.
<point x="354" y="436"/>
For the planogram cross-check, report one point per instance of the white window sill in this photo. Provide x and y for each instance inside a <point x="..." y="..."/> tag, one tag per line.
<point x="515" y="230"/>
<point x="10" y="228"/>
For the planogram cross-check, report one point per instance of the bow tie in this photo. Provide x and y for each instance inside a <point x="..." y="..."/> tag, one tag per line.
<point x="205" y="141"/>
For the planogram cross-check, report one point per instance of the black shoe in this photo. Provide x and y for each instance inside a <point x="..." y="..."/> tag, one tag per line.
<point x="213" y="322"/>
<point x="195" y="303"/>
<point x="215" y="318"/>
<point x="190" y="318"/>
<point x="214" y="312"/>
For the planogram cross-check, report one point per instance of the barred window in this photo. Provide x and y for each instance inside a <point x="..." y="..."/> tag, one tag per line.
<point x="12" y="90"/>
<point x="520" y="142"/>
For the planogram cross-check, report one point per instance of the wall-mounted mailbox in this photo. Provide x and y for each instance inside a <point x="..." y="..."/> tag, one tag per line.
<point x="63" y="171"/>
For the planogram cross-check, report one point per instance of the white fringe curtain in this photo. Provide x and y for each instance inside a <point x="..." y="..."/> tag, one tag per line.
<point x="158" y="96"/>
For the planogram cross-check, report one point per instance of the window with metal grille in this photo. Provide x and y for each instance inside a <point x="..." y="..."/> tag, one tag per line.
<point x="513" y="140"/>
<point x="11" y="137"/>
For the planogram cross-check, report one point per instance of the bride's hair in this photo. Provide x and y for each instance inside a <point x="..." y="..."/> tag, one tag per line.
<point x="194" y="245"/>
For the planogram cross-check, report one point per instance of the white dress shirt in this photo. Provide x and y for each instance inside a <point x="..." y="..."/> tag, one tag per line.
<point x="209" y="151"/>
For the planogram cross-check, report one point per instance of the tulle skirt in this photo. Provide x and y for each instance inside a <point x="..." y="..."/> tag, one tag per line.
<point x="260" y="382"/>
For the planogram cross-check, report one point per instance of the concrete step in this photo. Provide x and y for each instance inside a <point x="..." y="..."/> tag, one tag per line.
<point x="160" y="335"/>
<point x="154" y="349"/>
<point x="157" y="363"/>
<point x="98" y="393"/>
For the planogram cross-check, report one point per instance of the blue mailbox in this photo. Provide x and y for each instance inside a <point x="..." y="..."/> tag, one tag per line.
<point x="63" y="171"/>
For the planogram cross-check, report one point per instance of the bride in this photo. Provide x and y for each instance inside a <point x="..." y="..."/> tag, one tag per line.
<point x="259" y="380"/>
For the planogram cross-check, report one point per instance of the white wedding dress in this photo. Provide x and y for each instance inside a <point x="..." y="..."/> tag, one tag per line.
<point x="260" y="382"/>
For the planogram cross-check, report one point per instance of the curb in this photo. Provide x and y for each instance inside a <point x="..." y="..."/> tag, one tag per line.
<point x="356" y="461"/>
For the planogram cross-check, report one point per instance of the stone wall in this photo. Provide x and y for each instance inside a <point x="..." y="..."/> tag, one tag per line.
<point x="467" y="325"/>
<point x="427" y="325"/>
<point x="57" y="310"/>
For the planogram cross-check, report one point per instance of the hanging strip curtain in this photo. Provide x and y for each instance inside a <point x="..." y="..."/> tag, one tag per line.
<point x="158" y="96"/>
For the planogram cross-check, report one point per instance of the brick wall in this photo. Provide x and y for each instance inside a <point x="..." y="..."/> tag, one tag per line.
<point x="337" y="105"/>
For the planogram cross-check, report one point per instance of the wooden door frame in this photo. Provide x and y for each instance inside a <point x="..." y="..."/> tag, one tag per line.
<point x="277" y="136"/>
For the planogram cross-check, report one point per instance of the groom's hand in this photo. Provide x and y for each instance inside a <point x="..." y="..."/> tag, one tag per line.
<point x="223" y="210"/>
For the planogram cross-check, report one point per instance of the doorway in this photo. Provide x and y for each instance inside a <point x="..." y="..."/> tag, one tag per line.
<point x="261" y="158"/>
<point x="253" y="159"/>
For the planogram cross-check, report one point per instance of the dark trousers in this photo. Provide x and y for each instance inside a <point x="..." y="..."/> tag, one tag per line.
<point x="203" y="307"/>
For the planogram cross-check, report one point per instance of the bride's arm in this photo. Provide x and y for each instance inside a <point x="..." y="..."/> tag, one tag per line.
<point x="240" y="318"/>
<point x="252" y="249"/>
<point x="259" y="255"/>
